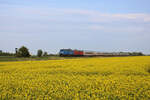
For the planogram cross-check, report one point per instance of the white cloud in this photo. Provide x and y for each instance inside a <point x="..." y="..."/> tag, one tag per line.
<point x="46" y="19"/>
<point x="114" y="29"/>
<point x="97" y="16"/>
<point x="85" y="15"/>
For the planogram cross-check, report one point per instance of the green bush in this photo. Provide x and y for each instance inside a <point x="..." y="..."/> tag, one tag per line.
<point x="39" y="53"/>
<point x="45" y="54"/>
<point x="23" y="52"/>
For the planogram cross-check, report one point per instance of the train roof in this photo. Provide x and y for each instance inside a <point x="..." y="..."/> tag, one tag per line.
<point x="70" y="49"/>
<point x="66" y="49"/>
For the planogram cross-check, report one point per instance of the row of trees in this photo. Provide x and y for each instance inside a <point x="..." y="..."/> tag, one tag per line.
<point x="6" y="53"/>
<point x="136" y="54"/>
<point x="24" y="52"/>
<point x="41" y="53"/>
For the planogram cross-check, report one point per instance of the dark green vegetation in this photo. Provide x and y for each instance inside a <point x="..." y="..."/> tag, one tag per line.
<point x="136" y="54"/>
<point x="32" y="58"/>
<point x="13" y="58"/>
<point x="49" y="57"/>
<point x="39" y="53"/>
<point x="6" y="53"/>
<point x="22" y="52"/>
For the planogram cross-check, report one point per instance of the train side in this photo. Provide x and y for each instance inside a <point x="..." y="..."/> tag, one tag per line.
<point x="70" y="52"/>
<point x="106" y="53"/>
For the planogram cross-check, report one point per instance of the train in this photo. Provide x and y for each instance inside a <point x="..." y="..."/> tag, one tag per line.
<point x="71" y="52"/>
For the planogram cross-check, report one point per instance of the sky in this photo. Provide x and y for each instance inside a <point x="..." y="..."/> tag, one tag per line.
<point x="95" y="25"/>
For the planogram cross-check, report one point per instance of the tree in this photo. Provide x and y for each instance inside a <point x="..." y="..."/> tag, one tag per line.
<point x="23" y="52"/>
<point x="136" y="54"/>
<point x="140" y="54"/>
<point x="45" y="54"/>
<point x="1" y="51"/>
<point x="39" y="53"/>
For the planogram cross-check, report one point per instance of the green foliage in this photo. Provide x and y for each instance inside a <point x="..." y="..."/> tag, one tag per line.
<point x="136" y="54"/>
<point x="5" y="53"/>
<point x="45" y="54"/>
<point x="39" y="53"/>
<point x="31" y="58"/>
<point x="23" y="52"/>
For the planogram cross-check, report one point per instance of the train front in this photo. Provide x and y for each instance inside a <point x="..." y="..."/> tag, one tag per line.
<point x="66" y="52"/>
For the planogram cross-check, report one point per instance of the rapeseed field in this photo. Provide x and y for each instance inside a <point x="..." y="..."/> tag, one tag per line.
<point x="118" y="78"/>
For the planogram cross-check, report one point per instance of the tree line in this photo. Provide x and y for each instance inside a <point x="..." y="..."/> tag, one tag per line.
<point x="24" y="52"/>
<point x="6" y="53"/>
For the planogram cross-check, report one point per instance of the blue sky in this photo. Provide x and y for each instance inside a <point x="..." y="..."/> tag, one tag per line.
<point x="98" y="25"/>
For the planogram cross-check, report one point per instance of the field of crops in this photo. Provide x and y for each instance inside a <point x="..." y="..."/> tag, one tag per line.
<point x="118" y="78"/>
